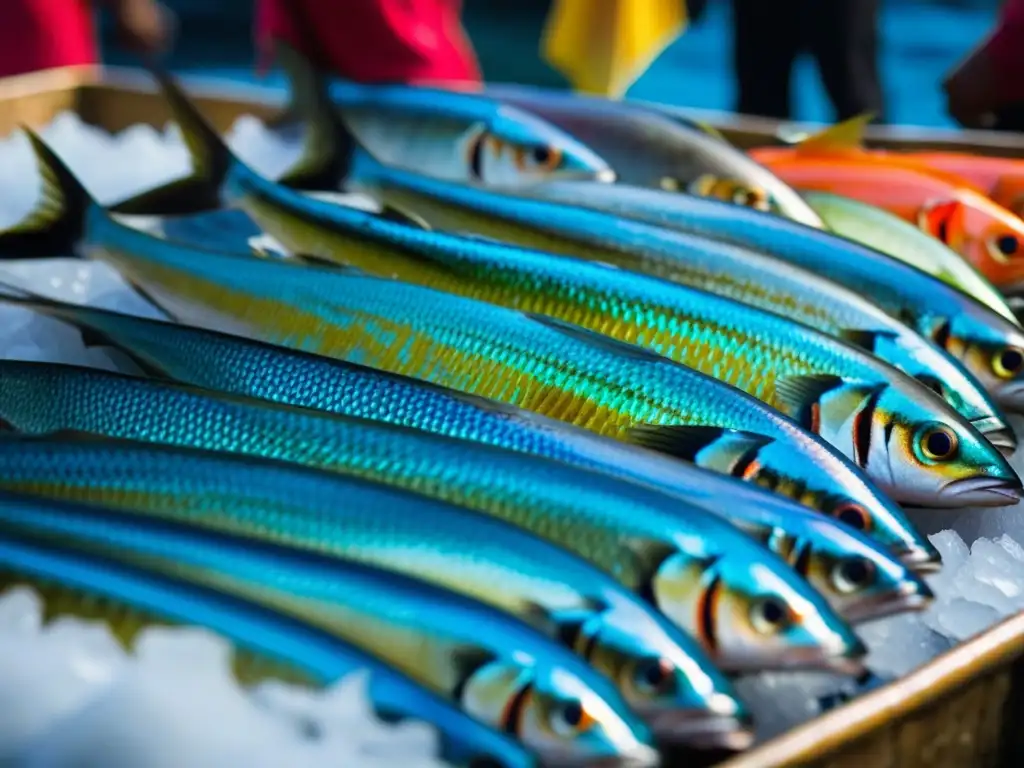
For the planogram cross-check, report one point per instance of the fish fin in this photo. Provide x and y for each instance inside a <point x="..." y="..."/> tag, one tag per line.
<point x="331" y="149"/>
<point x="607" y="343"/>
<point x="797" y="393"/>
<point x="943" y="220"/>
<point x="320" y="261"/>
<point x="865" y="340"/>
<point x="401" y="215"/>
<point x="57" y="223"/>
<point x="181" y="197"/>
<point x="685" y="441"/>
<point x="92" y="337"/>
<point x="468" y="660"/>
<point x="846" y="135"/>
<point x="210" y="155"/>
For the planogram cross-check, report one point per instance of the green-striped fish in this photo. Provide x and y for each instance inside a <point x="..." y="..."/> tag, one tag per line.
<point x="906" y="438"/>
<point x="542" y="365"/>
<point x="496" y="668"/>
<point x="60" y="550"/>
<point x="721" y="268"/>
<point x="879" y="229"/>
<point x="857" y="577"/>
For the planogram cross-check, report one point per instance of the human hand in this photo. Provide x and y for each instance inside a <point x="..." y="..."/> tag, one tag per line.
<point x="144" y="26"/>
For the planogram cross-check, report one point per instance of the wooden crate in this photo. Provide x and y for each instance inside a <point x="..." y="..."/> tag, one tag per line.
<point x="964" y="709"/>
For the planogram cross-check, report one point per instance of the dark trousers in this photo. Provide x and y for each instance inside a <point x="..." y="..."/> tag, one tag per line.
<point x="841" y="35"/>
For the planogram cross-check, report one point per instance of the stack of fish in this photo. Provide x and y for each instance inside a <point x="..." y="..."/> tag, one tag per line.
<point x="553" y="457"/>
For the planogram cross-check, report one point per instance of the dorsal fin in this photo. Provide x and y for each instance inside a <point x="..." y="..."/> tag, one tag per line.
<point x="840" y="137"/>
<point x="866" y="340"/>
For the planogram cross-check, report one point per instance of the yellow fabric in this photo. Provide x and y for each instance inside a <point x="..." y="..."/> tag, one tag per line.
<point x="603" y="46"/>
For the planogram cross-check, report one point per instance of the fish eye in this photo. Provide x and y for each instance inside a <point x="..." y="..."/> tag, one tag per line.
<point x="653" y="675"/>
<point x="570" y="717"/>
<point x="852" y="574"/>
<point x="769" y="615"/>
<point x="1007" y="245"/>
<point x="546" y="157"/>
<point x="853" y="515"/>
<point x="1008" y="362"/>
<point x="938" y="443"/>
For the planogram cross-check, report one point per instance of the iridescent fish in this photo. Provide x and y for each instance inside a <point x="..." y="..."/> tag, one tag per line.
<point x="67" y="553"/>
<point x="496" y="668"/>
<point x="857" y="577"/>
<point x="233" y="364"/>
<point x="662" y="673"/>
<point x="539" y="364"/>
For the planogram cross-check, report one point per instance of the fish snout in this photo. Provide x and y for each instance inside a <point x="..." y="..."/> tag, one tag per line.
<point x="995" y="490"/>
<point x="922" y="558"/>
<point x="640" y="756"/>
<point x="913" y="594"/>
<point x="723" y="724"/>
<point x="1011" y="396"/>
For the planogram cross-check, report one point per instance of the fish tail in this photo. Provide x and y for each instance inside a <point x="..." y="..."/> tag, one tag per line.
<point x="57" y="223"/>
<point x="330" y="147"/>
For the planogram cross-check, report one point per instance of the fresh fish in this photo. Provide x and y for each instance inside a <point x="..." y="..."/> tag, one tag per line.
<point x="542" y="365"/>
<point x="721" y="268"/>
<point x="233" y="364"/>
<point x="988" y="344"/>
<point x="946" y="206"/>
<point x="663" y="674"/>
<point x="497" y="669"/>
<point x="879" y="229"/>
<point x="46" y="545"/>
<point x="647" y="149"/>
<point x="900" y="432"/>
<point x="850" y="571"/>
<point x="1002" y="178"/>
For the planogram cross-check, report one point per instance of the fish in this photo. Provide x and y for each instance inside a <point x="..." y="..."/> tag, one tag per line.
<point x="45" y="544"/>
<point x="493" y="562"/>
<point x="881" y="230"/>
<point x="720" y="268"/>
<point x="560" y="371"/>
<point x="911" y="443"/>
<point x="647" y="149"/>
<point x="1001" y="178"/>
<point x="988" y="342"/>
<point x="859" y="579"/>
<point x="495" y="668"/>
<point x="231" y="364"/>
<point x="944" y="205"/>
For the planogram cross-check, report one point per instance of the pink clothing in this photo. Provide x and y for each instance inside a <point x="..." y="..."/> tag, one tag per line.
<point x="373" y="40"/>
<point x="41" y="34"/>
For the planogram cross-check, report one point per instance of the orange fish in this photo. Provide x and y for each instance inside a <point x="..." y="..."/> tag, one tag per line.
<point x="947" y="206"/>
<point x="1002" y="178"/>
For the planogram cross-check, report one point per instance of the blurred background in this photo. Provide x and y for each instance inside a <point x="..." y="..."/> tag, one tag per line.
<point x="921" y="40"/>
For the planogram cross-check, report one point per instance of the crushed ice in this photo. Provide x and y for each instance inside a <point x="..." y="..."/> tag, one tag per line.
<point x="79" y="676"/>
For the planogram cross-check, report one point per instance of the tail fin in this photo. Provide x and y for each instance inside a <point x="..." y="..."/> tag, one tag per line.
<point x="331" y="147"/>
<point x="58" y="221"/>
<point x="211" y="157"/>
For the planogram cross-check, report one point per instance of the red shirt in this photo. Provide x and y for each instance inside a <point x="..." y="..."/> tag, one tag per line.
<point x="373" y="40"/>
<point x="1005" y="49"/>
<point x="40" y="34"/>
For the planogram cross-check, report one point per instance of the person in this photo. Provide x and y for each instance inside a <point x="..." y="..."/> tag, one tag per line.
<point x="372" y="41"/>
<point x="986" y="89"/>
<point x="841" y="35"/>
<point x="42" y="34"/>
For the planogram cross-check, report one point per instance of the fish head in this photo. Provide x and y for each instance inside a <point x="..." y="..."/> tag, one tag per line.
<point x="991" y="349"/>
<point x="860" y="578"/>
<point x="987" y="235"/>
<point x="930" y="455"/>
<point x="564" y="718"/>
<point x="516" y="148"/>
<point x="734" y="191"/>
<point x="666" y="678"/>
<point x="752" y="612"/>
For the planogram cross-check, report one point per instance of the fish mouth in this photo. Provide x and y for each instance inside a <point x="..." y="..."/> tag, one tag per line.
<point x="984" y="491"/>
<point x="911" y="596"/>
<point x="640" y="756"/>
<point x="1000" y="435"/>
<point x="921" y="559"/>
<point x="844" y="661"/>
<point x="706" y="733"/>
<point x="604" y="176"/>
<point x="1011" y="396"/>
